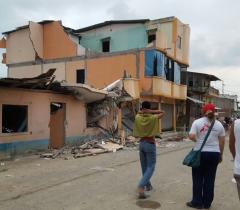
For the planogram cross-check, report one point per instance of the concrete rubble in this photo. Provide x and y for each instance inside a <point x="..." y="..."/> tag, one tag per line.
<point x="117" y="139"/>
<point x="96" y="147"/>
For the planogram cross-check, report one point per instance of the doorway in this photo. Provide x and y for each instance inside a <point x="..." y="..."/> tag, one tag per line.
<point x="57" y="125"/>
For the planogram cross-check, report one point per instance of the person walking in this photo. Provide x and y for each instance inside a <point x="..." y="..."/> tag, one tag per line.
<point x="234" y="146"/>
<point x="146" y="127"/>
<point x="203" y="177"/>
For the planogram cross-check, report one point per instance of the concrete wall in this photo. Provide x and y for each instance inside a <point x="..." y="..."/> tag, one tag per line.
<point x="105" y="70"/>
<point x="60" y="72"/>
<point x="166" y="29"/>
<point x="3" y="43"/>
<point x="186" y="44"/>
<point x="57" y="44"/>
<point x="71" y="68"/>
<point x="35" y="70"/>
<point x="80" y="49"/>
<point x="19" y="47"/>
<point x="24" y="71"/>
<point x="38" y="133"/>
<point x="123" y="37"/>
<point x="46" y="41"/>
<point x="183" y="31"/>
<point x="36" y="36"/>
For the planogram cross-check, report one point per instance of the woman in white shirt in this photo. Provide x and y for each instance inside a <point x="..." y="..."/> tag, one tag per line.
<point x="203" y="177"/>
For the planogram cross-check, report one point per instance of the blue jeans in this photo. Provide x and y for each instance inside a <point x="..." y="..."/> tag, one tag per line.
<point x="147" y="154"/>
<point x="204" y="178"/>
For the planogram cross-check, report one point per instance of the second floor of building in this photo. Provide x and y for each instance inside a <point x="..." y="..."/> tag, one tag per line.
<point x="149" y="70"/>
<point x="47" y="40"/>
<point x="199" y="83"/>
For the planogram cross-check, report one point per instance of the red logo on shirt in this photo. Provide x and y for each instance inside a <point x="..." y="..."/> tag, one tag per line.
<point x="204" y="128"/>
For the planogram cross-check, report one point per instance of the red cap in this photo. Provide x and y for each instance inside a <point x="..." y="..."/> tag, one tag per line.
<point x="207" y="108"/>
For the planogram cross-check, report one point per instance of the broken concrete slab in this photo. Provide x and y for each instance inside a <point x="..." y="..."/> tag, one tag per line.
<point x="111" y="147"/>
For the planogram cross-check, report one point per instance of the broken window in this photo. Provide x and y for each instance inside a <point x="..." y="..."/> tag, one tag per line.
<point x="151" y="35"/>
<point x="80" y="76"/>
<point x="106" y="45"/>
<point x="179" y="42"/>
<point x="14" y="118"/>
<point x="151" y="38"/>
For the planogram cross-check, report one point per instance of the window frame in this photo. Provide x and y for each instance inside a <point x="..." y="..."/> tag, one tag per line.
<point x="28" y="119"/>
<point x="107" y="39"/>
<point x="84" y="79"/>
<point x="179" y="42"/>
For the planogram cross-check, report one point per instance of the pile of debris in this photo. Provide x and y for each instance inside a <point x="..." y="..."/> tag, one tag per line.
<point x="89" y="148"/>
<point x="95" y="147"/>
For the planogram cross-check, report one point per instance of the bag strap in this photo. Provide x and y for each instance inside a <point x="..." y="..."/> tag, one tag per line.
<point x="205" y="139"/>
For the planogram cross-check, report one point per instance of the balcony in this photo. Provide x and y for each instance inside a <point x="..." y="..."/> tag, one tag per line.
<point x="156" y="86"/>
<point x="161" y="87"/>
<point x="211" y="91"/>
<point x="131" y="86"/>
<point x="179" y="91"/>
<point x="197" y="89"/>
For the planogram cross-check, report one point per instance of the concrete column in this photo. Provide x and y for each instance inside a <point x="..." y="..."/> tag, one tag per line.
<point x="120" y="120"/>
<point x="174" y="116"/>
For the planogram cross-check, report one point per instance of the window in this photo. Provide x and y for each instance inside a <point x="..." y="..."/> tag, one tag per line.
<point x="151" y="35"/>
<point x="79" y="39"/>
<point x="80" y="76"/>
<point x="179" y="42"/>
<point x="190" y="83"/>
<point x="106" y="45"/>
<point x="151" y="38"/>
<point x="14" y="118"/>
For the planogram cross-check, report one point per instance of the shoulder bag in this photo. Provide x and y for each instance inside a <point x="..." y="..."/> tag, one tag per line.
<point x="193" y="158"/>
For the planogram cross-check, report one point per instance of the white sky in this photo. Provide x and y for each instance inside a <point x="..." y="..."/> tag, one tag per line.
<point x="214" y="45"/>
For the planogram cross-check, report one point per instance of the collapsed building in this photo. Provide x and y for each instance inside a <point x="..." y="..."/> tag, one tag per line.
<point x="39" y="113"/>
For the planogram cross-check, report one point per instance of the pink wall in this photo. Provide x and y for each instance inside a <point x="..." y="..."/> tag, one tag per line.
<point x="39" y="113"/>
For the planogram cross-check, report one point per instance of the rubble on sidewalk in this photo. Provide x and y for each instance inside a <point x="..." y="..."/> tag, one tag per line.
<point x="114" y="144"/>
<point x="89" y="148"/>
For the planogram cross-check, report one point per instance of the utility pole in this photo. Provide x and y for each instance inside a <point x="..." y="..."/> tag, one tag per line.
<point x="223" y="87"/>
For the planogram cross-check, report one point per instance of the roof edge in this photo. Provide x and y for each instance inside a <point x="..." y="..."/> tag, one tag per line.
<point x="110" y="22"/>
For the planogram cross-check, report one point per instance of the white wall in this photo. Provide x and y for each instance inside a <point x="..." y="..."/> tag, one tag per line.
<point x="19" y="47"/>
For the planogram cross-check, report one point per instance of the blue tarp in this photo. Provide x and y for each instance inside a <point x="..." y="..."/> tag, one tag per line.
<point x="154" y="63"/>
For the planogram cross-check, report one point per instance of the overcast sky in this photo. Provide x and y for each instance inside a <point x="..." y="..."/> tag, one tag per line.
<point x="215" y="32"/>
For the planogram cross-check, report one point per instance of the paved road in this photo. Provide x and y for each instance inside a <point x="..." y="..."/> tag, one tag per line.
<point x="107" y="181"/>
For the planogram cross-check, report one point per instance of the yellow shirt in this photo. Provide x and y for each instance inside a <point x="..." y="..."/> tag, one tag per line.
<point x="146" y="125"/>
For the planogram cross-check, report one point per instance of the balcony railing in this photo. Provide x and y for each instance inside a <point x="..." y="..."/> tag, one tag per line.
<point x="198" y="89"/>
<point x="213" y="91"/>
<point x="161" y="87"/>
<point x="157" y="86"/>
<point x="179" y="91"/>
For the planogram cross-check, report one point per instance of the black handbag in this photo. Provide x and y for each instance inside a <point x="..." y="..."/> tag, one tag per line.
<point x="193" y="158"/>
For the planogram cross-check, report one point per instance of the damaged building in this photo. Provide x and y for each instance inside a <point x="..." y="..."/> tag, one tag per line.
<point x="142" y="58"/>
<point x="39" y="113"/>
